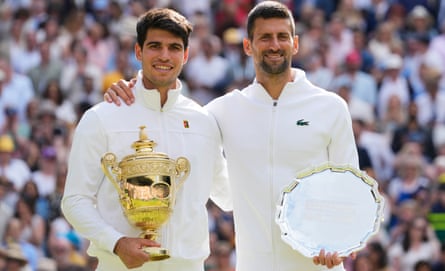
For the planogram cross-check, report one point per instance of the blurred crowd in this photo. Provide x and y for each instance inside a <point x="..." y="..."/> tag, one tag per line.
<point x="385" y="58"/>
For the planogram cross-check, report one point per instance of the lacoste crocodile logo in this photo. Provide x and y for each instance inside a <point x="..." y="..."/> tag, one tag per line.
<point x="302" y="122"/>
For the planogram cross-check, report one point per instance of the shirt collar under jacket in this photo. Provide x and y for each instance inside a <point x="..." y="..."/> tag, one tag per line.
<point x="151" y="98"/>
<point x="264" y="95"/>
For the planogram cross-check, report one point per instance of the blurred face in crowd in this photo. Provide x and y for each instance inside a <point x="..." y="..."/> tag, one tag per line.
<point x="162" y="55"/>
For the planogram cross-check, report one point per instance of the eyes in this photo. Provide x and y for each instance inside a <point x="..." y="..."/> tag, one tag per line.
<point x="174" y="47"/>
<point x="284" y="37"/>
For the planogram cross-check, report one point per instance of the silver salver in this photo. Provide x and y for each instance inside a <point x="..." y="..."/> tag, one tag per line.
<point x="335" y="208"/>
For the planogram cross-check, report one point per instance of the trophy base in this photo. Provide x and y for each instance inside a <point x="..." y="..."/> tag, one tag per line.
<point x="157" y="253"/>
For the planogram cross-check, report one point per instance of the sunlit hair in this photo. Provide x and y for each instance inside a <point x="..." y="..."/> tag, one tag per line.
<point x="268" y="10"/>
<point x="164" y="19"/>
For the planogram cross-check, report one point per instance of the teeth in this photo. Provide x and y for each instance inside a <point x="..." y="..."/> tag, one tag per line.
<point x="163" y="67"/>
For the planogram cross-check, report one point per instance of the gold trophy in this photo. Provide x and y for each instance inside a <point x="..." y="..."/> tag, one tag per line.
<point x="147" y="183"/>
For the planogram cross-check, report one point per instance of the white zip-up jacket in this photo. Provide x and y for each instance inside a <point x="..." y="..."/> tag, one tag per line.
<point x="266" y="143"/>
<point x="180" y="128"/>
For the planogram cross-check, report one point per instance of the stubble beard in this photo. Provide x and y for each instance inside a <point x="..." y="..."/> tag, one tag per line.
<point x="273" y="69"/>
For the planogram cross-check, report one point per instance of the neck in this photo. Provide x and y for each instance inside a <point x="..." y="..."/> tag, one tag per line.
<point x="274" y="84"/>
<point x="163" y="90"/>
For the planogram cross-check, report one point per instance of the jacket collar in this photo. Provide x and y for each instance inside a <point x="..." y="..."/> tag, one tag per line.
<point x="258" y="92"/>
<point x="151" y="98"/>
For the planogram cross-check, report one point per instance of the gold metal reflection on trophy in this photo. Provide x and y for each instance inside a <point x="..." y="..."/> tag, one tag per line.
<point x="147" y="183"/>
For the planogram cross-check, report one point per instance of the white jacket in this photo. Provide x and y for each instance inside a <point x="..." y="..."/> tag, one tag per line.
<point x="180" y="128"/>
<point x="266" y="143"/>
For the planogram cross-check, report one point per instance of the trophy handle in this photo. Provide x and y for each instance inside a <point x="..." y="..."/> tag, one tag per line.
<point x="109" y="161"/>
<point x="182" y="170"/>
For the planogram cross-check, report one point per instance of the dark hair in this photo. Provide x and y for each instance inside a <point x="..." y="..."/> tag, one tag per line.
<point x="165" y="19"/>
<point x="378" y="249"/>
<point x="268" y="10"/>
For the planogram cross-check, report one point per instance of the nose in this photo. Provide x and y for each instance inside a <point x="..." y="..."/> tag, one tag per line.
<point x="164" y="54"/>
<point x="274" y="43"/>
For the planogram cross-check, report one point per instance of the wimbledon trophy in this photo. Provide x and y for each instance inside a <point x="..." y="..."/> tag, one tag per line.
<point x="336" y="208"/>
<point x="147" y="183"/>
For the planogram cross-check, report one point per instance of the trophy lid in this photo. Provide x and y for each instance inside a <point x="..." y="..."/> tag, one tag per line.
<point x="144" y="147"/>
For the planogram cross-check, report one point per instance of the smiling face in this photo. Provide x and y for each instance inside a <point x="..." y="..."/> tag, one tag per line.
<point x="162" y="56"/>
<point x="272" y="46"/>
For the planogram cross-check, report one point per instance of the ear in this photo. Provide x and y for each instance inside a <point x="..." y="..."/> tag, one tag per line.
<point x="295" y="44"/>
<point x="247" y="46"/>
<point x="186" y="55"/>
<point x="138" y="51"/>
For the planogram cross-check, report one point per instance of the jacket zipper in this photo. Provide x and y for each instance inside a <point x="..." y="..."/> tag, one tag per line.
<point x="271" y="161"/>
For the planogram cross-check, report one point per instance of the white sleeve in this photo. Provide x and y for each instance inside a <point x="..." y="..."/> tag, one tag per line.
<point x="83" y="182"/>
<point x="342" y="149"/>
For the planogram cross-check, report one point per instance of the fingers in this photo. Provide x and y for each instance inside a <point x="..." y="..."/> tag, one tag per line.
<point x="329" y="259"/>
<point x="123" y="90"/>
<point x="110" y="96"/>
<point x="149" y="243"/>
<point x="130" y="251"/>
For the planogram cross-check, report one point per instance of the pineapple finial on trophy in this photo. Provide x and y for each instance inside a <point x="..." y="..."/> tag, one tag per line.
<point x="143" y="144"/>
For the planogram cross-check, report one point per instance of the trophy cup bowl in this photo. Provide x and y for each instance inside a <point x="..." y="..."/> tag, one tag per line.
<point x="147" y="183"/>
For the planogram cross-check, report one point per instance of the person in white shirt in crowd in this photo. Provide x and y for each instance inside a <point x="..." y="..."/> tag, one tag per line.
<point x="430" y="104"/>
<point x="45" y="176"/>
<point x="364" y="86"/>
<point x="13" y="170"/>
<point x="17" y="90"/>
<point x="78" y="74"/>
<point x="206" y="83"/>
<point x="393" y="83"/>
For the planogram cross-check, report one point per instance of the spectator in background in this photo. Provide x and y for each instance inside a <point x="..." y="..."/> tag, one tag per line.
<point x="63" y="107"/>
<point x="396" y="116"/>
<point x="412" y="131"/>
<point x="416" y="50"/>
<point x="364" y="86"/>
<point x="423" y="265"/>
<point x="19" y="131"/>
<point x="439" y="265"/>
<point x="436" y="215"/>
<point x="12" y="169"/>
<point x="430" y="104"/>
<point x="360" y="41"/>
<point x="420" y="22"/>
<point x="377" y="255"/>
<point x="378" y="148"/>
<point x="14" y="258"/>
<point x="339" y="42"/>
<point x="317" y="73"/>
<point x="393" y="83"/>
<point x="380" y="45"/>
<point x="50" y="32"/>
<point x="13" y="236"/>
<point x="409" y="179"/>
<point x="45" y="175"/>
<point x="43" y="129"/>
<point x="437" y="45"/>
<point x="313" y="42"/>
<point x="210" y="82"/>
<point x="33" y="226"/>
<point x="49" y="69"/>
<point x="98" y="44"/>
<point x="224" y="255"/>
<point x="121" y="69"/>
<point x="418" y="243"/>
<point x="241" y="71"/>
<point x="6" y="211"/>
<point x="27" y="56"/>
<point x="79" y="74"/>
<point x="17" y="90"/>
